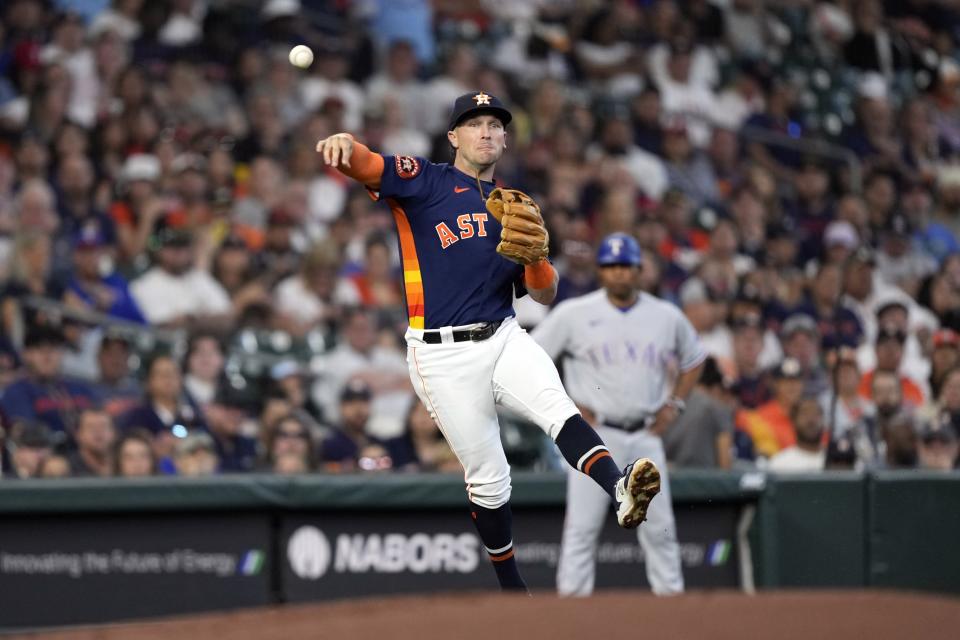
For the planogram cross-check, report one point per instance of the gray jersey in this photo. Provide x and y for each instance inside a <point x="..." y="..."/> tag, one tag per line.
<point x="621" y="364"/>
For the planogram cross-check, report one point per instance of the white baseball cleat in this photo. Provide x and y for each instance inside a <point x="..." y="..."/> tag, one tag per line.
<point x="635" y="489"/>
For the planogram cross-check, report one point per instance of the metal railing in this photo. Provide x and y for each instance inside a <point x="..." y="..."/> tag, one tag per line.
<point x="144" y="337"/>
<point x="809" y="147"/>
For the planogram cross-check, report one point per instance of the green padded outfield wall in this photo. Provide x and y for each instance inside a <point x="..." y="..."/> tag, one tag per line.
<point x="914" y="528"/>
<point x="810" y="531"/>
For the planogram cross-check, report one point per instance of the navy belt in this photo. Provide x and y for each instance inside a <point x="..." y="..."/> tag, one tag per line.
<point x="630" y="426"/>
<point x="476" y="334"/>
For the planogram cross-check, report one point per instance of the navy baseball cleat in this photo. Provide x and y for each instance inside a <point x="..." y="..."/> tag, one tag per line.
<point x="635" y="489"/>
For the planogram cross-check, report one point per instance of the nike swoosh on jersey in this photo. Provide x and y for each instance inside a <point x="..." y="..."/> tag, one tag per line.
<point x="460" y="189"/>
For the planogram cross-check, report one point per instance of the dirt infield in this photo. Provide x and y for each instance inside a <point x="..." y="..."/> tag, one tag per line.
<point x="715" y="615"/>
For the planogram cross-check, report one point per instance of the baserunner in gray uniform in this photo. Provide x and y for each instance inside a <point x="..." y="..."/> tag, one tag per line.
<point x="630" y="359"/>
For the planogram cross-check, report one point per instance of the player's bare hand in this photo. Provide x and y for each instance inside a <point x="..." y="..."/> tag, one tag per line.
<point x="336" y="149"/>
<point x="664" y="418"/>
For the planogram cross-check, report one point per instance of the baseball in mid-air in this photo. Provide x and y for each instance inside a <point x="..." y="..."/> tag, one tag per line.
<point x="301" y="56"/>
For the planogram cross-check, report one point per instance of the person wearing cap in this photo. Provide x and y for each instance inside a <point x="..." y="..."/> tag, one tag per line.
<point x="836" y="324"/>
<point x="899" y="261"/>
<point x="90" y="289"/>
<point x="192" y="189"/>
<point x="42" y="393"/>
<point x="630" y="361"/>
<point x="121" y="18"/>
<point x="840" y="240"/>
<point x="889" y="349"/>
<point x="29" y="443"/>
<point x="116" y="384"/>
<point x="781" y="249"/>
<point x="937" y="446"/>
<point x="918" y="323"/>
<point x="801" y="341"/>
<point x="463" y="339"/>
<point x="226" y="417"/>
<point x="864" y="292"/>
<point x="291" y="381"/>
<point x="195" y="455"/>
<point x="359" y="355"/>
<point x="176" y="292"/>
<point x="769" y="426"/>
<point x="340" y="450"/>
<point x="138" y="205"/>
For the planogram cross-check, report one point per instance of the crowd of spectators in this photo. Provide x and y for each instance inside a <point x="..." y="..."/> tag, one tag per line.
<point x="186" y="289"/>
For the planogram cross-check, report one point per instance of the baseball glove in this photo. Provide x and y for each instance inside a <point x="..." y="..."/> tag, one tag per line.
<point x="524" y="238"/>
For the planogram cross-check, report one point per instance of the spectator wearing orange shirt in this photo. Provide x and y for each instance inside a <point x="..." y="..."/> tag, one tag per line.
<point x="769" y="425"/>
<point x="889" y="351"/>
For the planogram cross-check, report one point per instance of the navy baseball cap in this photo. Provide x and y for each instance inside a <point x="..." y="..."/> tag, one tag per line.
<point x="472" y="103"/>
<point x="619" y="248"/>
<point x="89" y="238"/>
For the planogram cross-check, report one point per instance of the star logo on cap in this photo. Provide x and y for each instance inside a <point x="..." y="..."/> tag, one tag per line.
<point x="481" y="98"/>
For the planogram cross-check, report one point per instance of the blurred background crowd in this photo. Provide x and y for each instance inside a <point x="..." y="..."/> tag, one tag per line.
<point x="184" y="288"/>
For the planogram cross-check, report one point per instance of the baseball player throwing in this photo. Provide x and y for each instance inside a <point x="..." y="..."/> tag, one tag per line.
<point x="466" y="247"/>
<point x="630" y="360"/>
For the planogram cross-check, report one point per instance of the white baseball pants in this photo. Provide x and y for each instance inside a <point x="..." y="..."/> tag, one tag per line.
<point x="588" y="509"/>
<point x="460" y="383"/>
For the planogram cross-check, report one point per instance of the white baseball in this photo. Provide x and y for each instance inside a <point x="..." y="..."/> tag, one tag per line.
<point x="301" y="56"/>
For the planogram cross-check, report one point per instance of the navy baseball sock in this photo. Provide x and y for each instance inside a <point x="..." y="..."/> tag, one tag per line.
<point x="585" y="451"/>
<point x="494" y="527"/>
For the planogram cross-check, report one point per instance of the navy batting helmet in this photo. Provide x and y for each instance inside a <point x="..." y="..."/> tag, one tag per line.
<point x="619" y="248"/>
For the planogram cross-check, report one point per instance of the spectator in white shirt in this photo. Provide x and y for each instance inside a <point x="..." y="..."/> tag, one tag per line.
<point x="681" y="94"/>
<point x="399" y="81"/>
<point x="458" y="78"/>
<point x="808" y="454"/>
<point x="331" y="81"/>
<point x="360" y="355"/>
<point x="314" y="295"/>
<point x="175" y="293"/>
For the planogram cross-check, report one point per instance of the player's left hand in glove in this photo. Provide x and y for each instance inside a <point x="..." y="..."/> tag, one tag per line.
<point x="524" y="237"/>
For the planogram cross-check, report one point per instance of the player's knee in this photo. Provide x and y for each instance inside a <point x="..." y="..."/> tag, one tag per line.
<point x="491" y="495"/>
